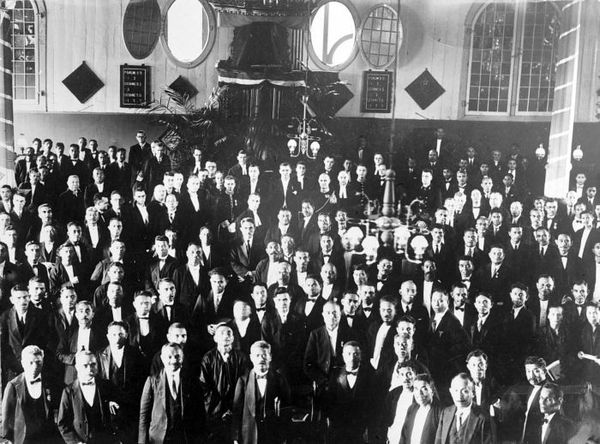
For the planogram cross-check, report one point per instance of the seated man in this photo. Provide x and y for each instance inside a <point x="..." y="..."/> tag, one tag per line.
<point x="170" y="408"/>
<point x="259" y="396"/>
<point x="219" y="371"/>
<point x="87" y="404"/>
<point x="29" y="402"/>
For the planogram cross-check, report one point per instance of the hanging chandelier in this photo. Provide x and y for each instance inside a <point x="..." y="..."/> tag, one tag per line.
<point x="305" y="140"/>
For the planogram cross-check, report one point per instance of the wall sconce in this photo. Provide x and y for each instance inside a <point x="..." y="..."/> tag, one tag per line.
<point x="578" y="153"/>
<point x="540" y="152"/>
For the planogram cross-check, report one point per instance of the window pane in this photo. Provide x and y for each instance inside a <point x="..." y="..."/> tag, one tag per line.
<point x="332" y="33"/>
<point x="186" y="35"/>
<point x="24" y="40"/>
<point x="538" y="66"/>
<point x="380" y="27"/>
<point x="491" y="61"/>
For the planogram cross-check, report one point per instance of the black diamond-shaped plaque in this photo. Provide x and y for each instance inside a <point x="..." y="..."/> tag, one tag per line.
<point x="183" y="86"/>
<point x="83" y="83"/>
<point x="425" y="89"/>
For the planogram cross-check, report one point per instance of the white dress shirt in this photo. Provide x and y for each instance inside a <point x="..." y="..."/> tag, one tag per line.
<point x="195" y="201"/>
<point x="546" y="424"/>
<point x="419" y="424"/>
<point x="584" y="238"/>
<point x="242" y="326"/>
<point x="326" y="292"/>
<point x="333" y="334"/>
<point x="173" y="377"/>
<point x="89" y="392"/>
<point x="117" y="355"/>
<point x="83" y="339"/>
<point x="262" y="385"/>
<point x="195" y="272"/>
<point x="144" y="212"/>
<point x="404" y="402"/>
<point x="427" y="289"/>
<point x="272" y="274"/>
<point x="94" y="235"/>
<point x="117" y="313"/>
<point x="351" y="379"/>
<point x="34" y="388"/>
<point x="462" y="414"/>
<point x="379" y="339"/>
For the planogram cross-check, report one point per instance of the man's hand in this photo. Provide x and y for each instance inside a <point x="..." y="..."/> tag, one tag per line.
<point x="113" y="407"/>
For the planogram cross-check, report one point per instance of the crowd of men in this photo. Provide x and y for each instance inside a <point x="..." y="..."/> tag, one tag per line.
<point x="230" y="304"/>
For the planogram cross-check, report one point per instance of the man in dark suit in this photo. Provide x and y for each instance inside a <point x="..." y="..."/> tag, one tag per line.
<point x="590" y="342"/>
<point x="122" y="365"/>
<point x="246" y="252"/>
<point x="585" y="238"/>
<point x="556" y="342"/>
<point x="20" y="326"/>
<point x="310" y="304"/>
<point x="220" y="369"/>
<point x="167" y="308"/>
<point x="29" y="402"/>
<point x="485" y="330"/>
<point x="191" y="279"/>
<point x="87" y="405"/>
<point x="462" y="309"/>
<point x="76" y="167"/>
<point x="260" y="394"/>
<point x="556" y="428"/>
<point x="8" y="277"/>
<point x="424" y="413"/>
<point x="381" y="333"/>
<point x="324" y="347"/>
<point x="408" y="306"/>
<point x="118" y="175"/>
<point x="348" y="397"/>
<point x="24" y="165"/>
<point x="494" y="278"/>
<point x="284" y="190"/>
<point x="447" y="342"/>
<point x="145" y="327"/>
<point x="162" y="266"/>
<point x="36" y="193"/>
<point x="139" y="153"/>
<point x="464" y="421"/>
<point x="487" y="390"/>
<point x="155" y="166"/>
<point x="171" y="404"/>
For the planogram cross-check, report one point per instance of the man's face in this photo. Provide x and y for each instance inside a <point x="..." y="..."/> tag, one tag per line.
<point x="423" y="393"/>
<point x="117" y="336"/>
<point x="74" y="152"/>
<point x="580" y="293"/>
<point x="142" y="305"/>
<point x="508" y="180"/>
<point x="324" y="181"/>
<point x="328" y="163"/>
<point x="384" y="267"/>
<point x="324" y="223"/>
<point x="545" y="286"/>
<point x="218" y="283"/>
<point x="193" y="254"/>
<point x="282" y="304"/>
<point x="366" y="294"/>
<point x="20" y="300"/>
<point x="469" y="238"/>
<point x="351" y="356"/>
<point x="407" y="377"/>
<point x="331" y="316"/>
<point x="439" y="302"/>
<point x="387" y="311"/>
<point x="496" y="256"/>
<point x="312" y="287"/>
<point x="33" y="253"/>
<point x="284" y="217"/>
<point x="426" y="178"/>
<point x="32" y="365"/>
<point x="167" y="292"/>
<point x="518" y="297"/>
<point x="172" y="359"/>
<point x="592" y="315"/>
<point x="224" y="338"/>
<point x="555" y="317"/>
<point x="408" y="292"/>
<point x="549" y="402"/>
<point x="87" y="368"/>
<point x="477" y="367"/>
<point x="242" y="158"/>
<point x="177" y="336"/>
<point x="406" y="330"/>
<point x="161" y="248"/>
<point x="350" y="303"/>
<point x="115" y="228"/>
<point x="496" y="219"/>
<point x="74" y="233"/>
<point x="361" y="172"/>
<point x="459" y="296"/>
<point x="515" y="234"/>
<point x="68" y="299"/>
<point x="462" y="392"/>
<point x="326" y="243"/>
<point x="283" y="273"/>
<point x="259" y="296"/>
<point x="241" y="311"/>
<point x="84" y="314"/>
<point x="73" y="183"/>
<point x="551" y="208"/>
<point x="193" y="184"/>
<point x="535" y="375"/>
<point x="301" y="258"/>
<point x="114" y="294"/>
<point x="91" y="215"/>
<point x="461" y="178"/>
<point x="261" y="360"/>
<point x="437" y="234"/>
<point x="247" y="229"/>
<point x="285" y="171"/>
<point x="37" y="291"/>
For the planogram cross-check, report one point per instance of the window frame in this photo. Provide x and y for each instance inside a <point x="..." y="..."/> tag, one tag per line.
<point x="398" y="43"/>
<point x="512" y="112"/>
<point x="355" y="48"/>
<point x="40" y="103"/>
<point x="212" y="35"/>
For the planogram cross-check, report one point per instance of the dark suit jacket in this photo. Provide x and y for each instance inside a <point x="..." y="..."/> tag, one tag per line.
<point x="240" y="261"/>
<point x="498" y="286"/>
<point x="72" y="420"/>
<point x="387" y="356"/>
<point x="187" y="290"/>
<point x="320" y="358"/>
<point x="560" y="430"/>
<point x="245" y="412"/>
<point x="154" y="274"/>
<point x="429" y="428"/>
<point x="9" y="278"/>
<point x="70" y="207"/>
<point x="17" y="416"/>
<point x="477" y="427"/>
<point x="67" y="349"/>
<point x="156" y="337"/>
<point x="447" y="348"/>
<point x="12" y="341"/>
<point x="349" y="408"/>
<point x="288" y="342"/>
<point x="315" y="317"/>
<point x="154" y="421"/>
<point x="592" y="239"/>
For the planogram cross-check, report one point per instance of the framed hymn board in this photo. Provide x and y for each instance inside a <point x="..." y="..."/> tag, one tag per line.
<point x="135" y="86"/>
<point x="376" y="92"/>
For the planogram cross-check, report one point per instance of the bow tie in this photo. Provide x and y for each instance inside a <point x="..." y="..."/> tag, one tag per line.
<point x="368" y="309"/>
<point x="459" y="309"/>
<point x="36" y="380"/>
<point x="313" y="299"/>
<point x="90" y="383"/>
<point x="326" y="255"/>
<point x="546" y="420"/>
<point x="261" y="309"/>
<point x="352" y="372"/>
<point x="145" y="318"/>
<point x="261" y="376"/>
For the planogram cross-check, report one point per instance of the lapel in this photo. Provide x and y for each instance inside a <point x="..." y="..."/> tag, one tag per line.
<point x="471" y="423"/>
<point x="449" y="413"/>
<point x="156" y="271"/>
<point x="250" y="398"/>
<point x="161" y="389"/>
<point x="549" y="430"/>
<point x="13" y="325"/>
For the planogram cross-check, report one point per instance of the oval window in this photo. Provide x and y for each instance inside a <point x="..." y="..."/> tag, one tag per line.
<point x="380" y="36"/>
<point x="333" y="35"/>
<point x="141" y="27"/>
<point x="188" y="32"/>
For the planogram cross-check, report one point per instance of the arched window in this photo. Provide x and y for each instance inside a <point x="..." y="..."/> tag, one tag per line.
<point x="28" y="36"/>
<point x="512" y="58"/>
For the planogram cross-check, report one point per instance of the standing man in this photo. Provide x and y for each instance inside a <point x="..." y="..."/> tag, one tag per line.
<point x="170" y="408"/>
<point x="463" y="422"/>
<point x="139" y="153"/>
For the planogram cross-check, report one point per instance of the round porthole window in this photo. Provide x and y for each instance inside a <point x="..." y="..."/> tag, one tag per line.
<point x="333" y="35"/>
<point x="380" y="36"/>
<point x="188" y="31"/>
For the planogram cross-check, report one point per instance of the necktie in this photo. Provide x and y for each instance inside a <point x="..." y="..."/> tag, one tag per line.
<point x="36" y="380"/>
<point x="433" y="324"/>
<point x="459" y="420"/>
<point x="479" y="324"/>
<point x="173" y="388"/>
